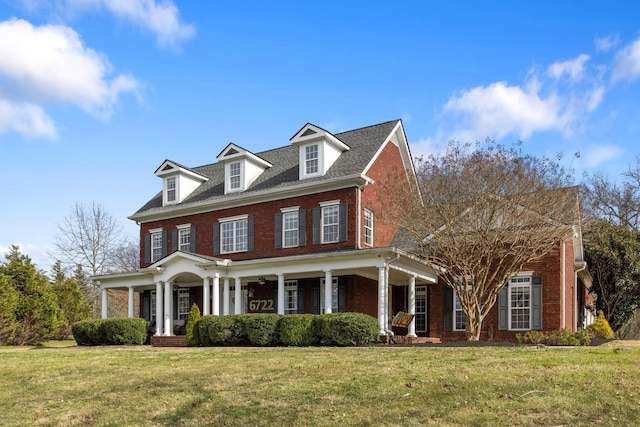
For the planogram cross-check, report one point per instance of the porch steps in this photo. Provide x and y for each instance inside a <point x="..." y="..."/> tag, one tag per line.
<point x="171" y="341"/>
<point x="403" y="339"/>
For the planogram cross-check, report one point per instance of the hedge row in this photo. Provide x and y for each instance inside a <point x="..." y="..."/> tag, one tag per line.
<point x="115" y="331"/>
<point x="336" y="329"/>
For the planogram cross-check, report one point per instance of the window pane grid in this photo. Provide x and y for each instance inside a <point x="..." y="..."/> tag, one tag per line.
<point x="153" y="305"/>
<point x="311" y="159"/>
<point x="183" y="303"/>
<point x="156" y="246"/>
<point x="171" y="189"/>
<point x="184" y="239"/>
<point x="291" y="297"/>
<point x="290" y="227"/>
<point x="460" y="318"/>
<point x="421" y="309"/>
<point x="520" y="307"/>
<point x="330" y="218"/>
<point x="368" y="227"/>
<point x="234" y="236"/>
<point x="234" y="175"/>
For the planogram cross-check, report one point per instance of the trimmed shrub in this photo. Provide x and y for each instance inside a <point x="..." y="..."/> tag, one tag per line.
<point x="222" y="330"/>
<point x="89" y="332"/>
<point x="558" y="337"/>
<point x="262" y="329"/>
<point x="125" y="330"/>
<point x="192" y="332"/>
<point x="346" y="329"/>
<point x="297" y="330"/>
<point x="600" y="327"/>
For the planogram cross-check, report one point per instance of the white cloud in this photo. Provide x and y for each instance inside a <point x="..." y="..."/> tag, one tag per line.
<point x="606" y="43"/>
<point x="627" y="62"/>
<point x="499" y="109"/>
<point x="573" y="68"/>
<point x="162" y="18"/>
<point x="595" y="155"/>
<point x="50" y="64"/>
<point x="426" y="147"/>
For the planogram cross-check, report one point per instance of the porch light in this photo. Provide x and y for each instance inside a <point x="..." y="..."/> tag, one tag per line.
<point x="159" y="269"/>
<point x="262" y="280"/>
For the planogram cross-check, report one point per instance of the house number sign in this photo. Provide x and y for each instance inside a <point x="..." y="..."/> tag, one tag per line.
<point x="261" y="305"/>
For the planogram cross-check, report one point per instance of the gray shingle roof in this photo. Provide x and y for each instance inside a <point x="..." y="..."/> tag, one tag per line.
<point x="363" y="144"/>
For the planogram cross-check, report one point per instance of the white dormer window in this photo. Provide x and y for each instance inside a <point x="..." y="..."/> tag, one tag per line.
<point x="171" y="189"/>
<point x="318" y="150"/>
<point x="241" y="168"/>
<point x="311" y="159"/>
<point x="234" y="175"/>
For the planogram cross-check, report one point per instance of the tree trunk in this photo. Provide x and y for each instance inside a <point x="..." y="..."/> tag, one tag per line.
<point x="474" y="324"/>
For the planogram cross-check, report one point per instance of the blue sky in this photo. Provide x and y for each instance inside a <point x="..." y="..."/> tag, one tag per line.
<point x="96" y="94"/>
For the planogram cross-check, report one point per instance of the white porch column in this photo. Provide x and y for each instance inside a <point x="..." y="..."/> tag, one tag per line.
<point x="381" y="293"/>
<point x="168" y="308"/>
<point x="105" y="312"/>
<point x="280" y="293"/>
<point x="205" y="296"/>
<point x="237" y="308"/>
<point x="215" y="294"/>
<point x="130" y="303"/>
<point x="159" y="310"/>
<point x="412" y="306"/>
<point x="225" y="297"/>
<point x="328" y="292"/>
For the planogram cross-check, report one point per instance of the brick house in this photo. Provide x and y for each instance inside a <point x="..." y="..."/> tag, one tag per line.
<point x="294" y="230"/>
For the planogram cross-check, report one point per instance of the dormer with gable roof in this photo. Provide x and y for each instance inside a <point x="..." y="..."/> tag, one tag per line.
<point x="178" y="182"/>
<point x="241" y="168"/>
<point x="318" y="150"/>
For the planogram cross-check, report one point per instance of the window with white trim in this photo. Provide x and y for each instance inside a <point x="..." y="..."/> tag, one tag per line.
<point x="459" y="318"/>
<point x="171" y="189"/>
<point x="334" y="295"/>
<point x="153" y="305"/>
<point x="235" y="171"/>
<point x="183" y="303"/>
<point x="421" y="309"/>
<point x="290" y="296"/>
<point x="184" y="239"/>
<point x="156" y="246"/>
<point x="520" y="303"/>
<point x="368" y="227"/>
<point x="330" y="223"/>
<point x="311" y="159"/>
<point x="290" y="229"/>
<point x="233" y="235"/>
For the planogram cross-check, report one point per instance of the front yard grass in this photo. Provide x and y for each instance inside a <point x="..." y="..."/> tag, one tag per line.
<point x="365" y="386"/>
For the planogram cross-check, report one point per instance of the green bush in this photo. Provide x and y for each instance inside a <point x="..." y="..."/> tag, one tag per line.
<point x="262" y="329"/>
<point x="297" y="330"/>
<point x="558" y="337"/>
<point x="346" y="329"/>
<point x="89" y="332"/>
<point x="600" y="327"/>
<point x="125" y="330"/>
<point x="222" y="330"/>
<point x="192" y="332"/>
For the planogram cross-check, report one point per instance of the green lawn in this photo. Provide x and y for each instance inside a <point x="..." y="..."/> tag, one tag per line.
<point x="364" y="386"/>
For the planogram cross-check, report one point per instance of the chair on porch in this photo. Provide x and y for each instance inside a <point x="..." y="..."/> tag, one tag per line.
<point x="400" y="320"/>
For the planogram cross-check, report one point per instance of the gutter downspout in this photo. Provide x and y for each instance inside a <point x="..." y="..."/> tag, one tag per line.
<point x="563" y="275"/>
<point x="575" y="293"/>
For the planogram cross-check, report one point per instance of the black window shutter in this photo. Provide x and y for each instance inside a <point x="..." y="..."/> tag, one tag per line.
<point x="192" y="240"/>
<point x="342" y="297"/>
<point x="147" y="248"/>
<point x="448" y="308"/>
<point x="216" y="238"/>
<point x="165" y="242"/>
<point x="250" y="234"/>
<point x="146" y="306"/>
<point x="174" y="240"/>
<point x="277" y="230"/>
<point x="317" y="211"/>
<point x="503" y="309"/>
<point x="302" y="228"/>
<point x="342" y="224"/>
<point x="536" y="303"/>
<point x="315" y="299"/>
<point x="300" y="298"/>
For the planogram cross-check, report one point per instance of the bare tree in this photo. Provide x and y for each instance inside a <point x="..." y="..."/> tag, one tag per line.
<point x="614" y="202"/>
<point x="89" y="235"/>
<point x="480" y="213"/>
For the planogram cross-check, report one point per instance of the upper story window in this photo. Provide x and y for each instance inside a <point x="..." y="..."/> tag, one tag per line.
<point x="184" y="239"/>
<point x="234" y="236"/>
<point x="235" y="171"/>
<point x="156" y="246"/>
<point x="290" y="229"/>
<point x="311" y="159"/>
<point x="330" y="223"/>
<point x="368" y="227"/>
<point x="171" y="189"/>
